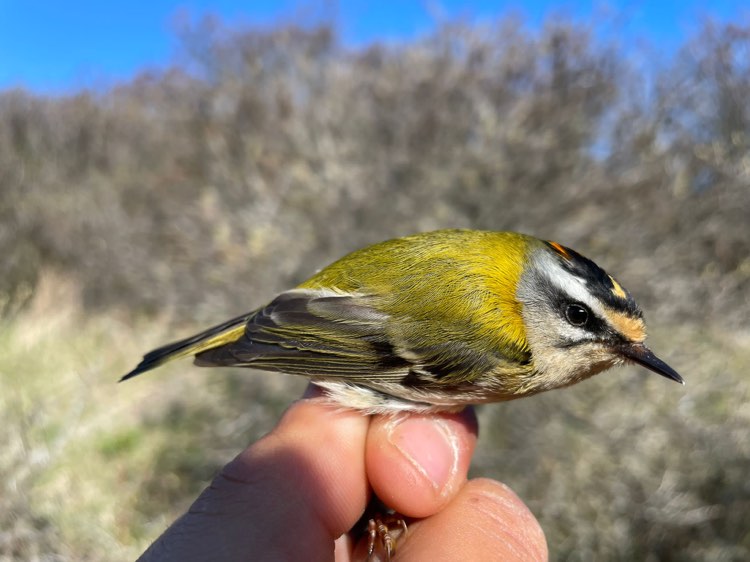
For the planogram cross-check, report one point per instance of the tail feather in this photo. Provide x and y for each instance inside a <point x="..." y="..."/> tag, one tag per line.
<point x="224" y="333"/>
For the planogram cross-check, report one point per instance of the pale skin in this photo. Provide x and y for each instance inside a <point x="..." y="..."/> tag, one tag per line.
<point x="295" y="493"/>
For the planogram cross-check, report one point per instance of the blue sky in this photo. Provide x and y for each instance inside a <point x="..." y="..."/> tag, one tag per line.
<point x="51" y="47"/>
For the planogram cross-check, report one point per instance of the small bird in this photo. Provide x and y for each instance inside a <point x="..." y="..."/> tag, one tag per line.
<point x="436" y="321"/>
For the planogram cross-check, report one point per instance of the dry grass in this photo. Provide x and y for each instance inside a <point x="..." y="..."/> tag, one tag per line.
<point x="93" y="470"/>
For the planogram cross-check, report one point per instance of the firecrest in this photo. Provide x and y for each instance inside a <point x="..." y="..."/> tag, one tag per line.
<point x="436" y="321"/>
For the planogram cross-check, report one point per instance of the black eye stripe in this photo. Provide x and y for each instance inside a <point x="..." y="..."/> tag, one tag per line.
<point x="560" y="300"/>
<point x="569" y="310"/>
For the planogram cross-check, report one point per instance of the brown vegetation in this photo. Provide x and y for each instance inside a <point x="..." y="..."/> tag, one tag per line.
<point x="200" y="191"/>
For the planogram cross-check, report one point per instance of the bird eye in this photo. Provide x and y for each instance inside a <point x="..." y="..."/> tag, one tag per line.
<point x="576" y="314"/>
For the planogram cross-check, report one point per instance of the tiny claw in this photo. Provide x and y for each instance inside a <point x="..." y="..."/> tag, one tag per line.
<point x="385" y="530"/>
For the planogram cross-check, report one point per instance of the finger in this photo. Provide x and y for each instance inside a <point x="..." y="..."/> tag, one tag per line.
<point x="416" y="463"/>
<point x="485" y="521"/>
<point x="287" y="497"/>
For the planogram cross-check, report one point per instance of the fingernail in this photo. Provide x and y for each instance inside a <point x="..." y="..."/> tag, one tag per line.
<point x="428" y="444"/>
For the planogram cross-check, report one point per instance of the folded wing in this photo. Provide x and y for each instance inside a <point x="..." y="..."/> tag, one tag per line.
<point x="315" y="334"/>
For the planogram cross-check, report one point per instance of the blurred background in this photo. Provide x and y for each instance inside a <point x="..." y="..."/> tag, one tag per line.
<point x="165" y="167"/>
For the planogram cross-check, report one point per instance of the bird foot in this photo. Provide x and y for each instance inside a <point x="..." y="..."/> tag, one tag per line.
<point x="384" y="531"/>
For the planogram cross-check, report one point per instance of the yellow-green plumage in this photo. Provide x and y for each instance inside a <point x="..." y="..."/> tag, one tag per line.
<point x="460" y="284"/>
<point x="429" y="321"/>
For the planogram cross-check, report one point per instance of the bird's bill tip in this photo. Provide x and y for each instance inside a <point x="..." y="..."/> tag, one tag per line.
<point x="639" y="353"/>
<point x="130" y="375"/>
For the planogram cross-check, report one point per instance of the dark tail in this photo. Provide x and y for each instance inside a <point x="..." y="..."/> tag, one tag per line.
<point x="222" y="334"/>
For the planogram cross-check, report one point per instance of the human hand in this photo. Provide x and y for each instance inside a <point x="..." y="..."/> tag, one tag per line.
<point x="296" y="493"/>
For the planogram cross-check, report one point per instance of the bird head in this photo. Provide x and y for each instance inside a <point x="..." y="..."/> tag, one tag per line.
<point x="579" y="320"/>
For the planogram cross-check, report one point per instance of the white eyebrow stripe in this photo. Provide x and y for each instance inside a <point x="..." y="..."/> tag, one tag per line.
<point x="571" y="285"/>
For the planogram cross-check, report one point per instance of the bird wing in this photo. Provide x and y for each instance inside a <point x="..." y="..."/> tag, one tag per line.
<point x="316" y="334"/>
<point x="330" y="335"/>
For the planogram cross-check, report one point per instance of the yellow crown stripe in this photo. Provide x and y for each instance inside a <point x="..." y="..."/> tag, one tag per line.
<point x="617" y="289"/>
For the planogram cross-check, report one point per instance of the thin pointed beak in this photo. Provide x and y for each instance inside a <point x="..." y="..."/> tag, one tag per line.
<point x="639" y="353"/>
